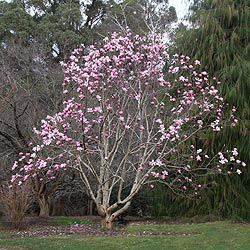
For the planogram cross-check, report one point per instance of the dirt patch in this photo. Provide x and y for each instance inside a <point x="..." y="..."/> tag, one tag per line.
<point x="39" y="227"/>
<point x="67" y="230"/>
<point x="93" y="230"/>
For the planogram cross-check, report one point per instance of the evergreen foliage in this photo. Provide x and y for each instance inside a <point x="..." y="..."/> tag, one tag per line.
<point x="220" y="39"/>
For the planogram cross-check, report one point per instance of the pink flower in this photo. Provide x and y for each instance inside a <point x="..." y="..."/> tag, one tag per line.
<point x="198" y="158"/>
<point x="164" y="172"/>
<point x="81" y="96"/>
<point x="109" y="107"/>
<point x="235" y="152"/>
<point x="238" y="171"/>
<point x="197" y="62"/>
<point x="14" y="165"/>
<point x="199" y="151"/>
<point x="159" y="121"/>
<point x="232" y="158"/>
<point x="98" y="109"/>
<point x="26" y="177"/>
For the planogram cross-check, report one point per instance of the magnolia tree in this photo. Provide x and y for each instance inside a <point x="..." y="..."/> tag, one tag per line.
<point x="123" y="125"/>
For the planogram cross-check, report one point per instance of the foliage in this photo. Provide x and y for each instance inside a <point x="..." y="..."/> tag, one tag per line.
<point x="58" y="26"/>
<point x="15" y="21"/>
<point x="140" y="16"/>
<point x="220" y="39"/>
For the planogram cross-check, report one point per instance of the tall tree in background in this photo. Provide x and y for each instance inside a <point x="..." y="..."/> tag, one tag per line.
<point x="140" y="16"/>
<point x="220" y="38"/>
<point x="60" y="25"/>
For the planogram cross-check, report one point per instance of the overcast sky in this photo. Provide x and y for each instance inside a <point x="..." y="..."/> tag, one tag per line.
<point x="181" y="7"/>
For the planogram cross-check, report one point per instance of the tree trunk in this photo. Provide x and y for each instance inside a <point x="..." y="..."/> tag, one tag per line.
<point x="107" y="221"/>
<point x="58" y="207"/>
<point x="108" y="215"/>
<point x="90" y="207"/>
<point x="44" y="205"/>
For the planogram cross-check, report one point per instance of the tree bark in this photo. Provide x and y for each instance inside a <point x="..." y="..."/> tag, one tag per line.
<point x="44" y="204"/>
<point x="90" y="206"/>
<point x="108" y="215"/>
<point x="107" y="221"/>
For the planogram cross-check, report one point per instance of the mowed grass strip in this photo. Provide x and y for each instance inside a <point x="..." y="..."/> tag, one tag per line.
<point x="207" y="236"/>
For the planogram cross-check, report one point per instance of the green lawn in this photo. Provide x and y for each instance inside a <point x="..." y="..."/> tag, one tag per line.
<point x="207" y="236"/>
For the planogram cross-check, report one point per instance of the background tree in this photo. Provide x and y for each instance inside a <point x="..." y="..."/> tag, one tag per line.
<point x="34" y="94"/>
<point x="67" y="24"/>
<point x="59" y="26"/>
<point x="122" y="122"/>
<point x="140" y="16"/>
<point x="220" y="38"/>
<point x="25" y="63"/>
<point x="30" y="75"/>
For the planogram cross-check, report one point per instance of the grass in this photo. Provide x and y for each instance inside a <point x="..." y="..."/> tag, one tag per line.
<point x="206" y="236"/>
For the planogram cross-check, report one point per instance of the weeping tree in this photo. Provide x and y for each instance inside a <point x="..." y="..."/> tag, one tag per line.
<point x="220" y="38"/>
<point x="123" y="125"/>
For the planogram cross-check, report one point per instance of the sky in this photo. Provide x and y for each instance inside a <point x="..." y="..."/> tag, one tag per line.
<point x="181" y="7"/>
